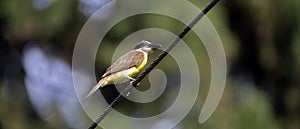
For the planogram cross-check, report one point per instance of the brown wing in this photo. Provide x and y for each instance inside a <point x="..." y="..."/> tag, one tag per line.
<point x="131" y="59"/>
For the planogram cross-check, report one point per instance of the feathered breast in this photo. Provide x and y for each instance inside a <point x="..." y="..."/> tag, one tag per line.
<point x="131" y="59"/>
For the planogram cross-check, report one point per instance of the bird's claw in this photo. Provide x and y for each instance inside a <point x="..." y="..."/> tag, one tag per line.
<point x="132" y="82"/>
<point x="138" y="84"/>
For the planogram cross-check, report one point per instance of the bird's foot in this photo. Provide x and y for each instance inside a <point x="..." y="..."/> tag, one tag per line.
<point x="131" y="82"/>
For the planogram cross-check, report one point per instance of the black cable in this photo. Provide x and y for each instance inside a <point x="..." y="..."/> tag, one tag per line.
<point x="171" y="45"/>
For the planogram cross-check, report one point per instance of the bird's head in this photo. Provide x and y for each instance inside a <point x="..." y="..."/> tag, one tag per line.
<point x="146" y="46"/>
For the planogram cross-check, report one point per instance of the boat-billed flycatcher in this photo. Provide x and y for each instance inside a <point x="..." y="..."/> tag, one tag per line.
<point x="127" y="67"/>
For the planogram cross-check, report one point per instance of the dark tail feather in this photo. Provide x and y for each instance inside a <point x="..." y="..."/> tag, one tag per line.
<point x="95" y="88"/>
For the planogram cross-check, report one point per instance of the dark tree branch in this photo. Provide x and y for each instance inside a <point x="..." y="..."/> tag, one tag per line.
<point x="171" y="45"/>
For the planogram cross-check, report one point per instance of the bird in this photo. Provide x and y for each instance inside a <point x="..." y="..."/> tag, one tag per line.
<point x="127" y="67"/>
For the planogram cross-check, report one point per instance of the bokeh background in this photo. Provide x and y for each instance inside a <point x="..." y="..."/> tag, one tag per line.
<point x="261" y="40"/>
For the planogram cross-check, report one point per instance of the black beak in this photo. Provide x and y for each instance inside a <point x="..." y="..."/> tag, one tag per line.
<point x="148" y="45"/>
<point x="155" y="46"/>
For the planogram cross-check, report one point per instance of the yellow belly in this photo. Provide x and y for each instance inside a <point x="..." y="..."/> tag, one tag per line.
<point x="122" y="76"/>
<point x="142" y="65"/>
